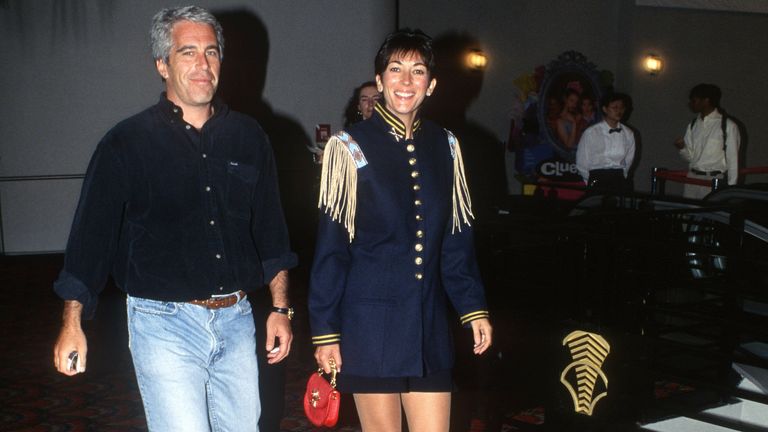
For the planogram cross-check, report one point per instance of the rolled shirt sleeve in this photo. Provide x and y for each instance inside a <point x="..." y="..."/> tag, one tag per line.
<point x="95" y="233"/>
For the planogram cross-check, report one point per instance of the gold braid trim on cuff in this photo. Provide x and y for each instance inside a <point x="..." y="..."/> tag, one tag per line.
<point x="473" y="316"/>
<point x="462" y="202"/>
<point x="326" y="339"/>
<point x="338" y="184"/>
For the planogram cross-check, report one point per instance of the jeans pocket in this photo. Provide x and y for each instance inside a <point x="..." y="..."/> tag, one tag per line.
<point x="154" y="307"/>
<point x="244" y="306"/>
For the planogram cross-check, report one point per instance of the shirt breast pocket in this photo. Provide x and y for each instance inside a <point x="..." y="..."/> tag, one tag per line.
<point x="241" y="180"/>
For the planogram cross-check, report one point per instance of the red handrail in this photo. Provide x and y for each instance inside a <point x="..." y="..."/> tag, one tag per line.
<point x="681" y="176"/>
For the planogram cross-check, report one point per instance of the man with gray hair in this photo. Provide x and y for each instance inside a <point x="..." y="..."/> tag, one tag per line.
<point x="180" y="204"/>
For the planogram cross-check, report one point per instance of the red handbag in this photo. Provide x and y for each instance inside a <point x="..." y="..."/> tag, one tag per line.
<point x="322" y="400"/>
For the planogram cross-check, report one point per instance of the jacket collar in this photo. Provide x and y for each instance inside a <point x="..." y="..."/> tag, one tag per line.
<point x="394" y="125"/>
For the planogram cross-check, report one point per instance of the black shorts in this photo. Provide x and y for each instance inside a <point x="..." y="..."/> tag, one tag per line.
<point x="435" y="382"/>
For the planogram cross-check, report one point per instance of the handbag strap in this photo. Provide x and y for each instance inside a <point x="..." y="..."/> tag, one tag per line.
<point x="332" y="363"/>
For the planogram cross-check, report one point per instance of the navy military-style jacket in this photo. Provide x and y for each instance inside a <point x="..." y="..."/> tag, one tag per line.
<point x="394" y="246"/>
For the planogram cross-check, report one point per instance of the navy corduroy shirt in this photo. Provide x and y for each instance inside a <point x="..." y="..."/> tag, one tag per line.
<point x="177" y="214"/>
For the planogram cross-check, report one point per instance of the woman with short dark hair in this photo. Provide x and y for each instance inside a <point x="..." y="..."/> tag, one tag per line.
<point x="394" y="247"/>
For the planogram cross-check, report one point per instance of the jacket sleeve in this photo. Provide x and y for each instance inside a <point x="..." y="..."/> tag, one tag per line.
<point x="268" y="226"/>
<point x="733" y="142"/>
<point x="337" y="201"/>
<point x="685" y="152"/>
<point x="582" y="156"/>
<point x="328" y="281"/>
<point x="461" y="276"/>
<point x="630" y="157"/>
<point x="93" y="239"/>
<point x="458" y="265"/>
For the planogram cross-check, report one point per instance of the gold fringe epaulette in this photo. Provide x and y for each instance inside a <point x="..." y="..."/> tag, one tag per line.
<point x="338" y="183"/>
<point x="462" y="203"/>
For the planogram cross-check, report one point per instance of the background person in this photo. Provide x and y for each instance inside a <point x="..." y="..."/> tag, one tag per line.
<point x="360" y="105"/>
<point x="711" y="142"/>
<point x="607" y="149"/>
<point x="359" y="108"/>
<point x="180" y="203"/>
<point x="393" y="248"/>
<point x="568" y="123"/>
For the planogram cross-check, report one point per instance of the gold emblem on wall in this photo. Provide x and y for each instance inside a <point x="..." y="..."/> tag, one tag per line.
<point x="580" y="377"/>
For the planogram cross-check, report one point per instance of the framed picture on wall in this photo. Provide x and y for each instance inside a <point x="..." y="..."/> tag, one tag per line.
<point x="568" y="102"/>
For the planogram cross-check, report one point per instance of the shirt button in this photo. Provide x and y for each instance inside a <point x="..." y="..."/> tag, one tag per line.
<point x="410" y="148"/>
<point x="212" y="222"/>
<point x="418" y="260"/>
<point x="176" y="110"/>
<point x="419" y="233"/>
<point x="419" y="276"/>
<point x="207" y="188"/>
<point x="417" y="202"/>
<point x="218" y="256"/>
<point x="414" y="174"/>
<point x="221" y="288"/>
<point x="205" y="155"/>
<point x="416" y="187"/>
<point x="412" y="161"/>
<point x="418" y="217"/>
<point x="189" y="127"/>
<point x="419" y="247"/>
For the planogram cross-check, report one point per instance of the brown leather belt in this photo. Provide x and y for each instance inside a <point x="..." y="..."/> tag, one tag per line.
<point x="219" y="302"/>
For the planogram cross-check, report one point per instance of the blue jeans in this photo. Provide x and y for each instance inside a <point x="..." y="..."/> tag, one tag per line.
<point x="196" y="367"/>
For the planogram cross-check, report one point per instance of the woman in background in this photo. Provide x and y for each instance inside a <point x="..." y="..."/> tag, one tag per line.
<point x="360" y="105"/>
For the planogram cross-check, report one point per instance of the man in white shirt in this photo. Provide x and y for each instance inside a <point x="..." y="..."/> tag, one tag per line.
<point x="607" y="149"/>
<point x="711" y="142"/>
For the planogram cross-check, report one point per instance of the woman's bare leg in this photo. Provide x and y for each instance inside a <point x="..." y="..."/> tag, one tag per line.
<point x="427" y="412"/>
<point x="379" y="412"/>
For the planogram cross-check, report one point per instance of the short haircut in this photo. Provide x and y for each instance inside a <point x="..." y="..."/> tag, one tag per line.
<point x="707" y="91"/>
<point x="405" y="41"/>
<point x="162" y="26"/>
<point x="615" y="96"/>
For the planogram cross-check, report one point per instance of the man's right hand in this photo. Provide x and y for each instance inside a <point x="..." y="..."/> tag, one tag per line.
<point x="680" y="143"/>
<point x="71" y="338"/>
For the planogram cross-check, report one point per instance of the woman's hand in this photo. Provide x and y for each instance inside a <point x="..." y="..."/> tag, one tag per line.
<point x="323" y="355"/>
<point x="483" y="335"/>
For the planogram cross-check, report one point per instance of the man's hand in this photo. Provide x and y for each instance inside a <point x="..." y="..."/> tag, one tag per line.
<point x="71" y="338"/>
<point x="323" y="355"/>
<point x="483" y="335"/>
<point x="278" y="326"/>
<point x="679" y="143"/>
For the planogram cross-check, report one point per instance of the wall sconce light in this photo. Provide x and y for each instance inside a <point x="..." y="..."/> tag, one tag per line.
<point x="653" y="64"/>
<point x="477" y="60"/>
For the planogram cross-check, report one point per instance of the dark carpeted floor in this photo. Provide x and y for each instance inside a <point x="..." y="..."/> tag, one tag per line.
<point x="34" y="397"/>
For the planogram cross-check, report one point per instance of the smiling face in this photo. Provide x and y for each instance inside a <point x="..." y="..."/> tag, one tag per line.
<point x="367" y="99"/>
<point x="404" y="84"/>
<point x="191" y="71"/>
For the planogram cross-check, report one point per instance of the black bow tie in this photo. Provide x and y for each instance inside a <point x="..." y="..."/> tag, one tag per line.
<point x="612" y="130"/>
